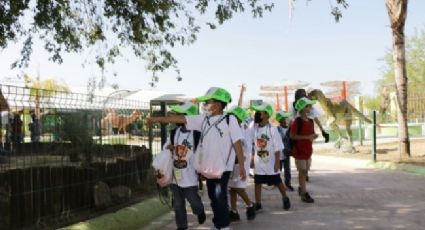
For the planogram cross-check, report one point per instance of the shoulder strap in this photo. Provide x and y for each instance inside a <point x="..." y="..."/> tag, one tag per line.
<point x="196" y="137"/>
<point x="172" y="135"/>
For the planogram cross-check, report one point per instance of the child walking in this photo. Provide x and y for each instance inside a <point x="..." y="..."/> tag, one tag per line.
<point x="236" y="185"/>
<point x="302" y="133"/>
<point x="266" y="158"/>
<point x="285" y="156"/>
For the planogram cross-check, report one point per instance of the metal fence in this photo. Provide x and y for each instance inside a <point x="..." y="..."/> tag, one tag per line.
<point x="64" y="156"/>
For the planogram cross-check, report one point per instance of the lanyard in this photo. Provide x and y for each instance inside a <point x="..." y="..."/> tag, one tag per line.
<point x="206" y="130"/>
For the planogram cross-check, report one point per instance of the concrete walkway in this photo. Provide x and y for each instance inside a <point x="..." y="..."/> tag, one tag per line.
<point x="348" y="196"/>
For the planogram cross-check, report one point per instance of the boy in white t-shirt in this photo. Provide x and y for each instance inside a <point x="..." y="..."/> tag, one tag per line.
<point x="182" y="142"/>
<point x="218" y="137"/>
<point x="237" y="186"/>
<point x="266" y="157"/>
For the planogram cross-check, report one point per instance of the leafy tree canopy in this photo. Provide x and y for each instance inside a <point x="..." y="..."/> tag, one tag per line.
<point x="149" y="27"/>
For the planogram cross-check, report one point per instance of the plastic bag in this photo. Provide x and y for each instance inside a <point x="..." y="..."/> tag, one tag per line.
<point x="210" y="165"/>
<point x="163" y="163"/>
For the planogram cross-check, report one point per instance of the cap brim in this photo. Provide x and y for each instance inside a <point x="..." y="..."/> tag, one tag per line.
<point x="257" y="108"/>
<point x="177" y="109"/>
<point x="203" y="98"/>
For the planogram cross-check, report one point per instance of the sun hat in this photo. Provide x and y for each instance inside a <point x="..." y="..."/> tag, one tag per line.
<point x="239" y="112"/>
<point x="216" y="93"/>
<point x="187" y="108"/>
<point x="282" y="114"/>
<point x="263" y="107"/>
<point x="303" y="102"/>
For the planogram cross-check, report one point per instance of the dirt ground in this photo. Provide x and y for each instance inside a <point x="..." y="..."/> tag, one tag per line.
<point x="387" y="151"/>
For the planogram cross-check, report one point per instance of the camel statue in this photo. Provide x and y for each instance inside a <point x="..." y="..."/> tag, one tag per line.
<point x="339" y="111"/>
<point x="118" y="123"/>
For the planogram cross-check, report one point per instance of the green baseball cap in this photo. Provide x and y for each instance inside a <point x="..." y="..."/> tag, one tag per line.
<point x="239" y="112"/>
<point x="216" y="93"/>
<point x="282" y="114"/>
<point x="303" y="102"/>
<point x="263" y="107"/>
<point x="187" y="108"/>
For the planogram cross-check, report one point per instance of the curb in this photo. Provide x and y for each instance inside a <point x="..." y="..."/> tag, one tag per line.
<point x="132" y="217"/>
<point x="413" y="169"/>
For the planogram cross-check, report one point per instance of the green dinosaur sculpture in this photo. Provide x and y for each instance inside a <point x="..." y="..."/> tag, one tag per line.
<point x="337" y="112"/>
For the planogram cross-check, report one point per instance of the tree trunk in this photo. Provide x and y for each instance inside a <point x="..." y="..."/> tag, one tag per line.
<point x="397" y="12"/>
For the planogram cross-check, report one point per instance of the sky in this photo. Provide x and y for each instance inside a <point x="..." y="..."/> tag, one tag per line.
<point x="309" y="47"/>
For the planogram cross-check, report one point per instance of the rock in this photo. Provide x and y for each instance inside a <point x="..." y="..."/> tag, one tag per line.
<point x="102" y="195"/>
<point x="120" y="194"/>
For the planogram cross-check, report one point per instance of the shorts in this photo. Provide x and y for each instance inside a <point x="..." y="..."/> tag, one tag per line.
<point x="268" y="179"/>
<point x="303" y="164"/>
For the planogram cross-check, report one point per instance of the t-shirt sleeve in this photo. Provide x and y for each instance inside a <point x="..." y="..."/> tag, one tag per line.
<point x="235" y="130"/>
<point x="194" y="122"/>
<point x="277" y="140"/>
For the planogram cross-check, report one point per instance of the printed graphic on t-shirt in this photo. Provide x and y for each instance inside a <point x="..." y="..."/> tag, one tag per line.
<point x="262" y="151"/>
<point x="180" y="161"/>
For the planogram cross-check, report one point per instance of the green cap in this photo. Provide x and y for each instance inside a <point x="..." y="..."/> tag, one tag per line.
<point x="303" y="102"/>
<point x="216" y="93"/>
<point x="282" y="115"/>
<point x="187" y="108"/>
<point x="239" y="112"/>
<point x="263" y="107"/>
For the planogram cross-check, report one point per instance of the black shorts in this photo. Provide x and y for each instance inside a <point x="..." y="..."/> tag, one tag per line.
<point x="267" y="179"/>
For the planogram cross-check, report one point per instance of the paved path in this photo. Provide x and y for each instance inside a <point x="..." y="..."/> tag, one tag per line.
<point x="348" y="196"/>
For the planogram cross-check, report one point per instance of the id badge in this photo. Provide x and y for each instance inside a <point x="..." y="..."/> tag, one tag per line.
<point x="178" y="174"/>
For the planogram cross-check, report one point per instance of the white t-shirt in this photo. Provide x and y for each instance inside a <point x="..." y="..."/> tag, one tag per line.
<point x="183" y="158"/>
<point x="267" y="142"/>
<point x="218" y="135"/>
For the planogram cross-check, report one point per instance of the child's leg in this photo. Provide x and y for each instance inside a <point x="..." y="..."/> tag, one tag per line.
<point x="258" y="193"/>
<point x="282" y="189"/>
<point x="191" y="194"/>
<point x="233" y="199"/>
<point x="179" y="205"/>
<point x="242" y="193"/>
<point x="287" y="170"/>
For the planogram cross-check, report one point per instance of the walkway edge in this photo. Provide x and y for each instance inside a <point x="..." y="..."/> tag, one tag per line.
<point x="409" y="168"/>
<point x="132" y="217"/>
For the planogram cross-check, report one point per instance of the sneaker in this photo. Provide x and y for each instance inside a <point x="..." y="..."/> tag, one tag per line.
<point x="258" y="207"/>
<point x="201" y="218"/>
<point x="181" y="228"/>
<point x="286" y="203"/>
<point x="250" y="213"/>
<point x="306" y="198"/>
<point x="234" y="216"/>
<point x="290" y="188"/>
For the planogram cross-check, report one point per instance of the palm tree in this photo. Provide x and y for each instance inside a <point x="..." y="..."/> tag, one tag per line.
<point x="397" y="12"/>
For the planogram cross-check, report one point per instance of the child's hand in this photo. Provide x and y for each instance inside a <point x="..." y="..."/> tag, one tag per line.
<point x="312" y="137"/>
<point x="242" y="173"/>
<point x="170" y="147"/>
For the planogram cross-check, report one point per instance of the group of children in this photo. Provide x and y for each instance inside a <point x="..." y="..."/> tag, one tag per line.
<point x="228" y="137"/>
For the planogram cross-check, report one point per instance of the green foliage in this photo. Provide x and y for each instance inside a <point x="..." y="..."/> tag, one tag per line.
<point x="150" y="28"/>
<point x="373" y="103"/>
<point x="415" y="64"/>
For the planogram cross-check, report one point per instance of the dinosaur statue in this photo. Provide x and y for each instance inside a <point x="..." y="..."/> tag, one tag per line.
<point x="339" y="111"/>
<point x="118" y="123"/>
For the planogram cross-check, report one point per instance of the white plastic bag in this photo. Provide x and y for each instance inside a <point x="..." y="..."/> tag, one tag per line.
<point x="163" y="163"/>
<point x="210" y="165"/>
